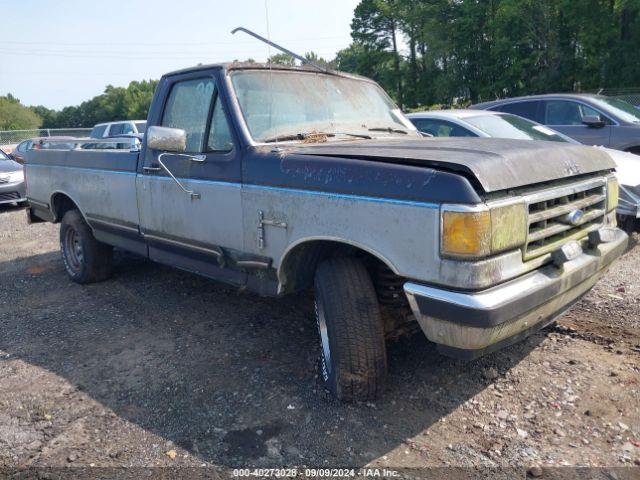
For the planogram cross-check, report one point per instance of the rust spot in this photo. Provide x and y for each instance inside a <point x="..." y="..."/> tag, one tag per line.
<point x="36" y="270"/>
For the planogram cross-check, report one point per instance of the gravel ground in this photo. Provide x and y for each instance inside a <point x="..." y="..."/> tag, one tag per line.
<point x="157" y="367"/>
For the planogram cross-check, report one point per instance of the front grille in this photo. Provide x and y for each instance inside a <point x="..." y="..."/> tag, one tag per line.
<point x="548" y="227"/>
<point x="4" y="180"/>
<point x="9" y="196"/>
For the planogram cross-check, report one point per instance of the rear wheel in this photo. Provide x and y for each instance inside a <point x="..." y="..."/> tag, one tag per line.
<point x="86" y="259"/>
<point x="353" y="358"/>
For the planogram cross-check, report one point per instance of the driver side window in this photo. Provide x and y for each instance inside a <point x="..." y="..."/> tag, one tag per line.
<point x="562" y="112"/>
<point x="219" y="134"/>
<point x="188" y="108"/>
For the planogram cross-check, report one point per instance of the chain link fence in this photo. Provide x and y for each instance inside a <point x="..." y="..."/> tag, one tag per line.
<point x="631" y="95"/>
<point x="12" y="137"/>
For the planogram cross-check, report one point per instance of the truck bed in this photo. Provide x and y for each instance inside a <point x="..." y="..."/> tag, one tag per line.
<point x="103" y="182"/>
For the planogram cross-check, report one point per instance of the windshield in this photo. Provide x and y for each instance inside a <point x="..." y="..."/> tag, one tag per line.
<point x="512" y="126"/>
<point x="141" y="126"/>
<point x="3" y="156"/>
<point x="276" y="103"/>
<point x="623" y="110"/>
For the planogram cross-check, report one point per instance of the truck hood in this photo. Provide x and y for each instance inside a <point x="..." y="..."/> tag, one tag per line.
<point x="497" y="164"/>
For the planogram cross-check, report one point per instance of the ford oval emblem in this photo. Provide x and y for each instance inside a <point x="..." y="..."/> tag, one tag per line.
<point x="574" y="217"/>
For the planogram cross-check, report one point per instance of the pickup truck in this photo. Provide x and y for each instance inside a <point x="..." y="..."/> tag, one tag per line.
<point x="283" y="179"/>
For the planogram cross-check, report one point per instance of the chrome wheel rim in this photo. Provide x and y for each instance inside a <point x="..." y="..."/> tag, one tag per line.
<point x="73" y="249"/>
<point x="324" y="339"/>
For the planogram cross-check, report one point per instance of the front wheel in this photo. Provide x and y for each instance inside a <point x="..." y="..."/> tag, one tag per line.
<point x="353" y="359"/>
<point x="627" y="223"/>
<point x="86" y="259"/>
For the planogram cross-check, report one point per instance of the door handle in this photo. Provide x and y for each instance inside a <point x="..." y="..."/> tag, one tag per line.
<point x="151" y="169"/>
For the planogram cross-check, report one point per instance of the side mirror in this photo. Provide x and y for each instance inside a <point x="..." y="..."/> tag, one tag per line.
<point x="593" y="121"/>
<point x="167" y="139"/>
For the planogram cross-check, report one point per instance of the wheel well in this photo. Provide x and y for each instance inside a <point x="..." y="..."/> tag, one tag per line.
<point x="299" y="265"/>
<point x="61" y="204"/>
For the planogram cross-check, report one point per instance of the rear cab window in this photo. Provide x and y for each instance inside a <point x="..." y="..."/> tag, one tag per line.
<point x="127" y="128"/>
<point x="116" y="129"/>
<point x="98" y="131"/>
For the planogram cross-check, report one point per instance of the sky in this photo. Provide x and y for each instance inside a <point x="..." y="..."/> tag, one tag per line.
<point x="61" y="52"/>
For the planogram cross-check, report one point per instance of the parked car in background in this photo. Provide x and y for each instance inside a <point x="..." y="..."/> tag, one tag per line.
<point x="480" y="123"/>
<point x="114" y="129"/>
<point x="39" y="142"/>
<point x="121" y="142"/>
<point x="589" y="119"/>
<point x="8" y="148"/>
<point x="12" y="188"/>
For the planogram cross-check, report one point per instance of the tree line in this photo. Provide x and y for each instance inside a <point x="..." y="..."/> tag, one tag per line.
<point x="430" y="52"/>
<point x="478" y="50"/>
<point x="116" y="103"/>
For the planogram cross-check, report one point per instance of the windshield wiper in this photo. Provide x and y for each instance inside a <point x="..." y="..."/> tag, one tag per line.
<point x="304" y="136"/>
<point x="388" y="130"/>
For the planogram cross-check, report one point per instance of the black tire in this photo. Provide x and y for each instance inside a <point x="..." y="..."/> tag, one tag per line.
<point x="627" y="223"/>
<point x="353" y="357"/>
<point x="86" y="259"/>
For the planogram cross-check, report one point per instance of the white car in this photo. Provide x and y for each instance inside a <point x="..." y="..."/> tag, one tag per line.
<point x="115" y="129"/>
<point x="485" y="123"/>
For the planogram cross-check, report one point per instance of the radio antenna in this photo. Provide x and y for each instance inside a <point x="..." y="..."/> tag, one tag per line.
<point x="282" y="49"/>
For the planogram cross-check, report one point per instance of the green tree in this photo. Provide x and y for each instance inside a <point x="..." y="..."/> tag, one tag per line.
<point x="461" y="50"/>
<point x="116" y="103"/>
<point x="48" y="116"/>
<point x="375" y="27"/>
<point x="282" y="59"/>
<point x="15" y="116"/>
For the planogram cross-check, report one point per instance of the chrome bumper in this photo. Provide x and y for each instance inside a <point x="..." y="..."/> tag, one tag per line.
<point x="471" y="324"/>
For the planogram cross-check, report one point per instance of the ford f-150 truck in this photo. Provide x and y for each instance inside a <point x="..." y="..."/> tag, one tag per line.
<point x="281" y="179"/>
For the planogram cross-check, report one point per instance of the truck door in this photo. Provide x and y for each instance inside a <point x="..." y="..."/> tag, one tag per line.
<point x="182" y="229"/>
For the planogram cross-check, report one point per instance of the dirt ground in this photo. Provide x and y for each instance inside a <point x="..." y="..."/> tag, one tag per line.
<point x="158" y="367"/>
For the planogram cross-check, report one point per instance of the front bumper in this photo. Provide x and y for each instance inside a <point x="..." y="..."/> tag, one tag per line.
<point x="12" y="192"/>
<point x="471" y="324"/>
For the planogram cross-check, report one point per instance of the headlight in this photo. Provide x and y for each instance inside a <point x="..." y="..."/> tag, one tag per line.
<point x="466" y="234"/>
<point x="17" y="176"/>
<point x="473" y="233"/>
<point x="613" y="193"/>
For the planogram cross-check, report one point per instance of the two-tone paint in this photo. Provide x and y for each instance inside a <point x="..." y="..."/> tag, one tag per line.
<point x="260" y="211"/>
